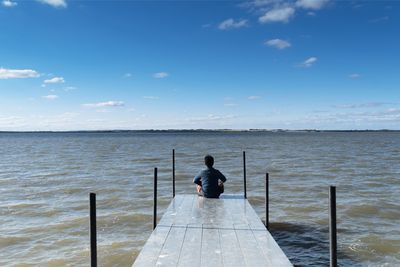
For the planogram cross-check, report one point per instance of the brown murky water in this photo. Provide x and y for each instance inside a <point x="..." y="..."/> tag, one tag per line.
<point x="45" y="180"/>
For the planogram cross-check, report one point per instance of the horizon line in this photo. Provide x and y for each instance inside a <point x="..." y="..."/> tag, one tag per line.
<point x="201" y="130"/>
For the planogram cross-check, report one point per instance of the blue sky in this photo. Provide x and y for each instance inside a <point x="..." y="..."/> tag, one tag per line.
<point x="304" y="64"/>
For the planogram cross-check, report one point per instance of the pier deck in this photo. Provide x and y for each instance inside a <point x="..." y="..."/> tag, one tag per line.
<point x="196" y="231"/>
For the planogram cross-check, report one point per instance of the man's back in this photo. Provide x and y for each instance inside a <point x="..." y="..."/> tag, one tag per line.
<point x="208" y="179"/>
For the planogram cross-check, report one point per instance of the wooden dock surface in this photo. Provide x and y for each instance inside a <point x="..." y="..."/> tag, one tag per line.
<point x="197" y="231"/>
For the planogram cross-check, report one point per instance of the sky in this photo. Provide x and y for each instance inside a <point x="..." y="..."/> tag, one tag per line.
<point x="265" y="64"/>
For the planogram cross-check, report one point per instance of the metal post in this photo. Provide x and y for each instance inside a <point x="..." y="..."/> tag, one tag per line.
<point x="173" y="172"/>
<point x="93" y="238"/>
<point x="155" y="200"/>
<point x="267" y="201"/>
<point x="244" y="174"/>
<point x="332" y="227"/>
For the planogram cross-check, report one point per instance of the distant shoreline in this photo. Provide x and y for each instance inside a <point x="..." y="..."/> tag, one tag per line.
<point x="206" y="131"/>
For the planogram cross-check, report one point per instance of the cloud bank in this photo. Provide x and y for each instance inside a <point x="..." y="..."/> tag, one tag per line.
<point x="50" y="97"/>
<point x="18" y="74"/>
<point x="309" y="62"/>
<point x="278" y="43"/>
<point x="279" y="14"/>
<point x="104" y="104"/>
<point x="8" y="3"/>
<point x="232" y="24"/>
<point x="311" y="4"/>
<point x="160" y="75"/>
<point x="54" y="80"/>
<point x="253" y="97"/>
<point x="274" y="11"/>
<point x="55" y="3"/>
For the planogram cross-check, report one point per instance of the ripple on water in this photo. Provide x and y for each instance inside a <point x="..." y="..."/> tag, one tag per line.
<point x="7" y="241"/>
<point x="364" y="210"/>
<point x="124" y="219"/>
<point x="381" y="245"/>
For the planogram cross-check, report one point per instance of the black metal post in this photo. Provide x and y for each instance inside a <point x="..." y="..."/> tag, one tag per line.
<point x="173" y="172"/>
<point x="332" y="227"/>
<point x="267" y="200"/>
<point x="155" y="200"/>
<point x="93" y="237"/>
<point x="244" y="174"/>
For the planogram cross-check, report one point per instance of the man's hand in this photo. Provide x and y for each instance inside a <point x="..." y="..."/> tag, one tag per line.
<point x="198" y="189"/>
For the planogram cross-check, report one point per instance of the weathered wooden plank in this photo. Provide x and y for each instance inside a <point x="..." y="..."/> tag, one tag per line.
<point x="169" y="255"/>
<point x="210" y="248"/>
<point x="174" y="210"/>
<point x="253" y="255"/>
<point x="252" y="217"/>
<point x="150" y="252"/>
<point x="185" y="211"/>
<point x="190" y="253"/>
<point x="237" y="212"/>
<point x="231" y="252"/>
<point x="270" y="249"/>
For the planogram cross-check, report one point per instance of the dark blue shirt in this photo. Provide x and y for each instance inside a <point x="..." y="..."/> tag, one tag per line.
<point x="208" y="179"/>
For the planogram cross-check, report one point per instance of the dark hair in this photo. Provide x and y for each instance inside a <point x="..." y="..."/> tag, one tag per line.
<point x="209" y="161"/>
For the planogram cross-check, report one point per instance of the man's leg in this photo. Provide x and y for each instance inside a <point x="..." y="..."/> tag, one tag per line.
<point x="199" y="190"/>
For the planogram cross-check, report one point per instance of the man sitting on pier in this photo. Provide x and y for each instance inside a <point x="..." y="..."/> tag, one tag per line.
<point x="210" y="182"/>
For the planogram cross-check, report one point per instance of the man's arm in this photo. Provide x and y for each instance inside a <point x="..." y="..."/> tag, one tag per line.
<point x="197" y="179"/>
<point x="222" y="177"/>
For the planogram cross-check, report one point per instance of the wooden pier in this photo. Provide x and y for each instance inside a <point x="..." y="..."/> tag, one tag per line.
<point x="196" y="231"/>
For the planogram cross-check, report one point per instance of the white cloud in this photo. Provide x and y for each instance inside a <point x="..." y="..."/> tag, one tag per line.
<point x="278" y="43"/>
<point x="230" y="105"/>
<point x="253" y="97"/>
<point x="381" y="19"/>
<point x="8" y="3"/>
<point x="364" y="105"/>
<point x="232" y="24"/>
<point x="309" y="62"/>
<point x="4" y="121"/>
<point x="388" y="115"/>
<point x="354" y="76"/>
<point x="55" y="3"/>
<point x="151" y="97"/>
<point x="11" y="74"/>
<point x="70" y="88"/>
<point x="160" y="75"/>
<point x="260" y="6"/>
<point x="102" y="110"/>
<point x="50" y="97"/>
<point x="278" y="14"/>
<point x="54" y="80"/>
<point x="211" y="117"/>
<point x="104" y="104"/>
<point x="282" y="10"/>
<point x="311" y="4"/>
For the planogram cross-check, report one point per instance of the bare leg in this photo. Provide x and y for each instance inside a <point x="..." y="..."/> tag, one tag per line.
<point x="199" y="190"/>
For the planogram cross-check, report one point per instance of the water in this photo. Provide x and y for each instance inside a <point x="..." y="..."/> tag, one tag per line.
<point x="45" y="179"/>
